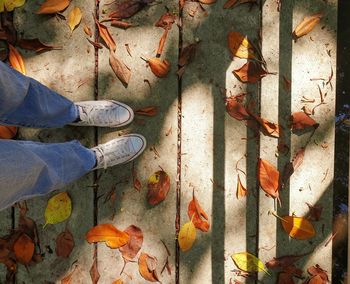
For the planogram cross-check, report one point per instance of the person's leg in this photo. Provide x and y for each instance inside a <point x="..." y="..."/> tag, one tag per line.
<point x="29" y="169"/>
<point x="26" y="102"/>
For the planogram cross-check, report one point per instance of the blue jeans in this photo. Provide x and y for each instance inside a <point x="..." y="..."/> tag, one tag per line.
<point x="27" y="168"/>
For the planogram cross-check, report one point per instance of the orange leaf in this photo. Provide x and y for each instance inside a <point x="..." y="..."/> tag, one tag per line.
<point x="240" y="46"/>
<point x="268" y="177"/>
<point x="207" y="1"/>
<point x="109" y="234"/>
<point x="230" y="3"/>
<point x="251" y="72"/>
<point x="241" y="190"/>
<point x="52" y="6"/>
<point x="118" y="281"/>
<point x="24" y="249"/>
<point x="300" y="120"/>
<point x="236" y="109"/>
<point x="106" y="35"/>
<point x="298" y="227"/>
<point x="7" y="132"/>
<point x="159" y="67"/>
<point x="147" y="267"/>
<point x="16" y="60"/>
<point x="147" y="111"/>
<point x="195" y="212"/>
<point x="307" y="25"/>
<point x="268" y="128"/>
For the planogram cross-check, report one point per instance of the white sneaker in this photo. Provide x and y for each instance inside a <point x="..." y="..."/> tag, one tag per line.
<point x="119" y="150"/>
<point x="107" y="113"/>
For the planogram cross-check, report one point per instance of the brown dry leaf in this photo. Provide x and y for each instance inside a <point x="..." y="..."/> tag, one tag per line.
<point x="74" y="18"/>
<point x="24" y="249"/>
<point x="291" y="167"/>
<point x="307" y="25"/>
<point x="118" y="281"/>
<point x="251" y="72"/>
<point x="119" y="68"/>
<point x="267" y="127"/>
<point x="147" y="267"/>
<point x="113" y="237"/>
<point x="186" y="56"/>
<point x="207" y="1"/>
<point x="284" y="262"/>
<point x="268" y="177"/>
<point x="87" y="30"/>
<point x="121" y="24"/>
<point x="128" y="8"/>
<point x="318" y="273"/>
<point x="166" y="21"/>
<point x="136" y="182"/>
<point x="8" y="132"/>
<point x="159" y="67"/>
<point x="315" y="212"/>
<point x="285" y="278"/>
<point x="158" y="187"/>
<point x="130" y="250"/>
<point x="162" y="43"/>
<point x="16" y="59"/>
<point x="300" y="120"/>
<point x="236" y="109"/>
<point x="68" y="279"/>
<point x="241" y="190"/>
<point x="36" y="45"/>
<point x="147" y="111"/>
<point x="240" y="46"/>
<point x="94" y="274"/>
<point x="230" y="4"/>
<point x="196" y="213"/>
<point x="64" y="244"/>
<point x="52" y="6"/>
<point x="106" y="35"/>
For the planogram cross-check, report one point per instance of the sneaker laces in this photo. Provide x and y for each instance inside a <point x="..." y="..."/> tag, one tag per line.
<point x="103" y="116"/>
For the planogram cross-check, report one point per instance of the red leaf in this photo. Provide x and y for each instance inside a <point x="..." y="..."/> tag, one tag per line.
<point x="158" y="187"/>
<point x="236" y="109"/>
<point x="64" y="244"/>
<point x="130" y="250"/>
<point x="147" y="111"/>
<point x="251" y="72"/>
<point x="300" y="120"/>
<point x="196" y="213"/>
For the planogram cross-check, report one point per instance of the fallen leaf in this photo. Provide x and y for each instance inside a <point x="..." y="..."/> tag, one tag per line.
<point x="285" y="278"/>
<point x="196" y="213"/>
<point x="158" y="187"/>
<point x="187" y="236"/>
<point x="119" y="68"/>
<point x="10" y="5"/>
<point x="105" y="35"/>
<point x="58" y="209"/>
<point x="74" y="18"/>
<point x="240" y="46"/>
<point x="36" y="45"/>
<point x="187" y="55"/>
<point x="235" y="109"/>
<point x="268" y="177"/>
<point x="136" y="182"/>
<point x="147" y="267"/>
<point x="7" y="132"/>
<point x="315" y="212"/>
<point x="53" y="6"/>
<point x="16" y="59"/>
<point x="159" y="67"/>
<point x="162" y="43"/>
<point x="248" y="262"/>
<point x="128" y="8"/>
<point x="251" y="72"/>
<point x="87" y="30"/>
<point x="64" y="244"/>
<point x="118" y="281"/>
<point x="300" y="120"/>
<point x="319" y="275"/>
<point x="133" y="246"/>
<point x="307" y="25"/>
<point x="24" y="249"/>
<point x="267" y="127"/>
<point x="241" y="190"/>
<point x="284" y="261"/>
<point x="207" y="2"/>
<point x="94" y="274"/>
<point x="292" y="166"/>
<point x="147" y="111"/>
<point x="166" y="21"/>
<point x="121" y="24"/>
<point x="68" y="278"/>
<point x="230" y="4"/>
<point x="109" y="234"/>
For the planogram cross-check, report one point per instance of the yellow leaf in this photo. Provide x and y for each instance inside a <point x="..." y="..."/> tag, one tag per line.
<point x="74" y="18"/>
<point x="240" y="46"/>
<point x="298" y="227"/>
<point x="248" y="262"/>
<point x="59" y="208"/>
<point x="307" y="25"/>
<point x="187" y="236"/>
<point x="241" y="190"/>
<point x="12" y="4"/>
<point x="16" y="60"/>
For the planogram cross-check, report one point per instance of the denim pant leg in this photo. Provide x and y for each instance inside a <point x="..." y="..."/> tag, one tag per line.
<point x="30" y="169"/>
<point x="26" y="102"/>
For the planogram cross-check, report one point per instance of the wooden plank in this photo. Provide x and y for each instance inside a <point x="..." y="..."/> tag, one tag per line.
<point x="213" y="143"/>
<point x="130" y="206"/>
<point x="70" y="72"/>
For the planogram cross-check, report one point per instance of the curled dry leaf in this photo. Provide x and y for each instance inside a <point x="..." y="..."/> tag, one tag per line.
<point x="147" y="267"/>
<point x="36" y="45"/>
<point x="109" y="234"/>
<point x="147" y="111"/>
<point x="159" y="67"/>
<point x="319" y="276"/>
<point x="307" y="25"/>
<point x="187" y="236"/>
<point x="300" y="120"/>
<point x="241" y="190"/>
<point x="196" y="213"/>
<point x="236" y="109"/>
<point x="240" y="46"/>
<point x="58" y="209"/>
<point x="251" y="72"/>
<point x="268" y="177"/>
<point x="248" y="262"/>
<point x="291" y="167"/>
<point x="186" y="56"/>
<point x="52" y="6"/>
<point x="166" y="21"/>
<point x="162" y="43"/>
<point x="158" y="187"/>
<point x="64" y="244"/>
<point x="119" y="68"/>
<point x="284" y="262"/>
<point x="74" y="18"/>
<point x="7" y="132"/>
<point x="24" y="249"/>
<point x="121" y="24"/>
<point x="128" y="8"/>
<point x="106" y="35"/>
<point x="268" y="128"/>
<point x="16" y="60"/>
<point x="132" y="247"/>
<point x="87" y="30"/>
